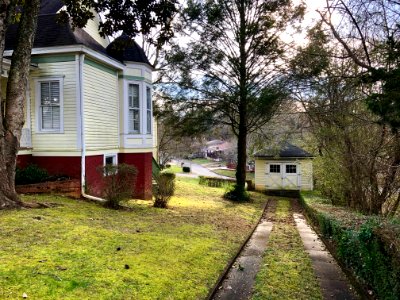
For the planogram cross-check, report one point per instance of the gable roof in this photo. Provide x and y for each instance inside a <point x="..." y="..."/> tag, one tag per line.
<point x="284" y="150"/>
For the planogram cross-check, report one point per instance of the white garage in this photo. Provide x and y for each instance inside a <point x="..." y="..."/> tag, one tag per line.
<point x="286" y="167"/>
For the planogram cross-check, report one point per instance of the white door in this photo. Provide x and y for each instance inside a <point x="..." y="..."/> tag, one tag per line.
<point x="290" y="176"/>
<point x="280" y="175"/>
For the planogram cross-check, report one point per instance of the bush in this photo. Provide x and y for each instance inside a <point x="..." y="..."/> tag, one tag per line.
<point x="186" y="169"/>
<point x="164" y="190"/>
<point x="167" y="166"/>
<point x="237" y="193"/>
<point x="364" y="250"/>
<point x="215" y="181"/>
<point x="118" y="183"/>
<point x="30" y="174"/>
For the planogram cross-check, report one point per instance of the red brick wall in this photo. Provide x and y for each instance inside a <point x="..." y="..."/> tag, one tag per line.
<point x="143" y="164"/>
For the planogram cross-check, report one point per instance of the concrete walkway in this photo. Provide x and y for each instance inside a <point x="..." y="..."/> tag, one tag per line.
<point x="240" y="279"/>
<point x="332" y="280"/>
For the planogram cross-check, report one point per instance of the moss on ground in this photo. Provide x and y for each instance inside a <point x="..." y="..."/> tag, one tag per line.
<point x="80" y="250"/>
<point x="286" y="272"/>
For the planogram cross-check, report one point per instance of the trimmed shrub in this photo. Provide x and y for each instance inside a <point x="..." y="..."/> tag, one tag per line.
<point x="167" y="166"/>
<point x="215" y="181"/>
<point x="164" y="189"/>
<point x="30" y="174"/>
<point x="118" y="183"/>
<point x="186" y="169"/>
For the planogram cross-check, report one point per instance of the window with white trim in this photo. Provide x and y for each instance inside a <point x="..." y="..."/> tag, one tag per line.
<point x="50" y="110"/>
<point x="110" y="159"/>
<point x="274" y="168"/>
<point x="133" y="108"/>
<point x="148" y="110"/>
<point x="291" y="169"/>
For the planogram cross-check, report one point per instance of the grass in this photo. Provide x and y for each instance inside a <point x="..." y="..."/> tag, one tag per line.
<point x="174" y="169"/>
<point x="231" y="173"/>
<point x="80" y="250"/>
<point x="201" y="161"/>
<point x="286" y="272"/>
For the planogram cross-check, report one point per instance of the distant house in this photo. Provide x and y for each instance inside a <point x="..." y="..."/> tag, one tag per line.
<point x="217" y="148"/>
<point x="283" y="167"/>
<point x="89" y="102"/>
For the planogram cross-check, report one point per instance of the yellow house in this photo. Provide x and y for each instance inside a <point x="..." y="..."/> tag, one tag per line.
<point x="286" y="167"/>
<point x="89" y="102"/>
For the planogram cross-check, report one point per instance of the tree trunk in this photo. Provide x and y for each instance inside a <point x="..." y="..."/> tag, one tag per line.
<point x="242" y="130"/>
<point x="13" y="117"/>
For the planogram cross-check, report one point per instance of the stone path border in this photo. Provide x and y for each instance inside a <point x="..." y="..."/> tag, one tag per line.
<point x="239" y="280"/>
<point x="332" y="280"/>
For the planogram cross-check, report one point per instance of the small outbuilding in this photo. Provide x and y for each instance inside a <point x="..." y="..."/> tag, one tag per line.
<point x="286" y="167"/>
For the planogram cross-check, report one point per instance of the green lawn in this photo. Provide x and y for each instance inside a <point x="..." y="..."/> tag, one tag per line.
<point x="201" y="161"/>
<point x="286" y="272"/>
<point x="231" y="173"/>
<point x="79" y="250"/>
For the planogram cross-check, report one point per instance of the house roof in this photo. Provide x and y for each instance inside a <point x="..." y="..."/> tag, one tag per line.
<point x="123" y="48"/>
<point x="50" y="6"/>
<point x="50" y="33"/>
<point x="284" y="150"/>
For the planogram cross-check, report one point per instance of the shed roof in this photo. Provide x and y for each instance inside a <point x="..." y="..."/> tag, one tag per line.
<point x="284" y="150"/>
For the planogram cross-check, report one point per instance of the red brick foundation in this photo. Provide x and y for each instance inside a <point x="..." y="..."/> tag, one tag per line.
<point x="71" y="166"/>
<point x="143" y="164"/>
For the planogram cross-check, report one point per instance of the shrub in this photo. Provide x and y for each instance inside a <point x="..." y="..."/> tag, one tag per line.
<point x="30" y="174"/>
<point x="186" y="169"/>
<point x="167" y="166"/>
<point x="164" y="190"/>
<point x="364" y="250"/>
<point x="237" y="193"/>
<point x="118" y="183"/>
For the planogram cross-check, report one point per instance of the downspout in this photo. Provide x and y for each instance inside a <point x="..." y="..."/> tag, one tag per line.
<point x="83" y="144"/>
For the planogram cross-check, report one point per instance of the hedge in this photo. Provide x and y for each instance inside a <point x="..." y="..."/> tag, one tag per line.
<point x="363" y="247"/>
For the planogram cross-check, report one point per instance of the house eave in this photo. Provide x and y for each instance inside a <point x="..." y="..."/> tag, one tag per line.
<point x="75" y="49"/>
<point x="282" y="157"/>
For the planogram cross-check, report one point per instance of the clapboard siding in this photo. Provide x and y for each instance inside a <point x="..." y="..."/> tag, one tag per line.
<point x="304" y="167"/>
<point x="67" y="140"/>
<point x="101" y="108"/>
<point x="92" y="28"/>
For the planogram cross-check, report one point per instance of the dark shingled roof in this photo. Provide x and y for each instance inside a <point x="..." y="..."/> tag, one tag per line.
<point x="50" y="33"/>
<point x="286" y="150"/>
<point x="123" y="48"/>
<point x="50" y="6"/>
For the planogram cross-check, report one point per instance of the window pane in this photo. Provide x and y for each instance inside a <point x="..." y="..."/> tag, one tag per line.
<point x="44" y="93"/>
<point x="148" y="94"/>
<point x="109" y="160"/>
<point x="56" y="117"/>
<point x="274" y="168"/>
<point x="46" y="117"/>
<point x="148" y="121"/>
<point x="290" y="168"/>
<point x="136" y="121"/>
<point x="133" y="96"/>
<point x="55" y="92"/>
<point x="130" y="120"/>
